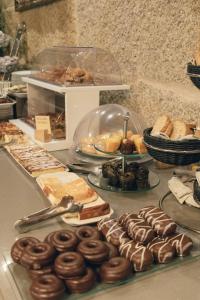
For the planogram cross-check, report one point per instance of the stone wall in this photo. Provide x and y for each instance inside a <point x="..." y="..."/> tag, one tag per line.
<point x="152" y="40"/>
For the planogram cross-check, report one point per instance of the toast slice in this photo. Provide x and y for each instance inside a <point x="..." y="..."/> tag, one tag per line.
<point x="162" y="126"/>
<point x="180" y="129"/>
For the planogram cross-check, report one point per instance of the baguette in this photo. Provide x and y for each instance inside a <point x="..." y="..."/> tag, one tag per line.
<point x="162" y="126"/>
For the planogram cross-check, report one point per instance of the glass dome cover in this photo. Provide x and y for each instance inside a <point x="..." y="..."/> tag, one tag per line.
<point x="101" y="130"/>
<point x="77" y="66"/>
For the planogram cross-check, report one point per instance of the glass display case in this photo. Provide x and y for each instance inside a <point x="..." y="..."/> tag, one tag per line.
<point x="76" y="66"/>
<point x="65" y="85"/>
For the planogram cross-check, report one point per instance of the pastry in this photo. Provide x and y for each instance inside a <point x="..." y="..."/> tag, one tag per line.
<point x="127" y="181"/>
<point x="83" y="283"/>
<point x="137" y="228"/>
<point x="62" y="240"/>
<point x="78" y="189"/>
<point x="94" y="251"/>
<point x="162" y="251"/>
<point x="47" y="287"/>
<point x="112" y="231"/>
<point x="162" y="126"/>
<point x="113" y="251"/>
<point x="87" y="233"/>
<point x="19" y="246"/>
<point x="142" y="177"/>
<point x="94" y="211"/>
<point x="182" y="243"/>
<point x="161" y="222"/>
<point x="35" y="159"/>
<point x="137" y="139"/>
<point x="69" y="264"/>
<point x="112" y="143"/>
<point x="138" y="254"/>
<point x="127" y="147"/>
<point x="44" y="271"/>
<point x="37" y="256"/>
<point x="116" y="269"/>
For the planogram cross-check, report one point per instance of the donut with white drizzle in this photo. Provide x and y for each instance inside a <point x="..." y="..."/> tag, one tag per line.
<point x="137" y="228"/>
<point x="161" y="222"/>
<point x="138" y="254"/>
<point x="112" y="231"/>
<point x="162" y="251"/>
<point x="182" y="243"/>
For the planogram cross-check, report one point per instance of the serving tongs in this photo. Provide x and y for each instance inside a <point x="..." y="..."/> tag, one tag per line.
<point x="67" y="205"/>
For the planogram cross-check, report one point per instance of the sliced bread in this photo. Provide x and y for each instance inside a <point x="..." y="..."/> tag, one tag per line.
<point x="180" y="129"/>
<point x="162" y="126"/>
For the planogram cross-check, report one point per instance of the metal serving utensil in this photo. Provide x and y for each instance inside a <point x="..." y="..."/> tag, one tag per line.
<point x="48" y="213"/>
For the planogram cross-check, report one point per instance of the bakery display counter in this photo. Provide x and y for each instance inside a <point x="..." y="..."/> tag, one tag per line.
<point x="25" y="197"/>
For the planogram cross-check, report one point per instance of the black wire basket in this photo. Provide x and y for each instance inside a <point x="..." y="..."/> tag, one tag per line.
<point x="183" y="152"/>
<point x="193" y="72"/>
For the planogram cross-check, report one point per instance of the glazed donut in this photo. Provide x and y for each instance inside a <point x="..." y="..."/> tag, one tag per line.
<point x="69" y="264"/>
<point x="117" y="268"/>
<point x="139" y="256"/>
<point x="87" y="232"/>
<point x="47" y="287"/>
<point x="162" y="251"/>
<point x="113" y="251"/>
<point x="44" y="271"/>
<point x="81" y="284"/>
<point x="112" y="231"/>
<point x="62" y="240"/>
<point x="182" y="243"/>
<point x="19" y="246"/>
<point x="37" y="256"/>
<point x="94" y="251"/>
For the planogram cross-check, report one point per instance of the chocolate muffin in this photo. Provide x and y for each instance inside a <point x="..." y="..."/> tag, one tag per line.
<point x="127" y="181"/>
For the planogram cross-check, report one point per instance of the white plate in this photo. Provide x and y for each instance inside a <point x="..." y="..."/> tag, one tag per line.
<point x="67" y="177"/>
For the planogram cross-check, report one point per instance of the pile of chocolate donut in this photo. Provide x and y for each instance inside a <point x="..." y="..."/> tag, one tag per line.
<point x="74" y="262"/>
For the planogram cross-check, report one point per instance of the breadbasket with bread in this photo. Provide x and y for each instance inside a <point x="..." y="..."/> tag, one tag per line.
<point x="173" y="142"/>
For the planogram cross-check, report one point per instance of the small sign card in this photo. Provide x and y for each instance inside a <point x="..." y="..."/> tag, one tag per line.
<point x="43" y="123"/>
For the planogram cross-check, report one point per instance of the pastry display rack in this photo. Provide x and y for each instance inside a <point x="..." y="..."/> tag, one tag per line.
<point x="66" y="83"/>
<point x="109" y="132"/>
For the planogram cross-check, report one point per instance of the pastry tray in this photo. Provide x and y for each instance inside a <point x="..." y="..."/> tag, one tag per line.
<point x="24" y="169"/>
<point x="21" y="281"/>
<point x="67" y="177"/>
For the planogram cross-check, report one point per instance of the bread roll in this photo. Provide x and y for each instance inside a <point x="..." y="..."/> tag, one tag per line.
<point x="163" y="125"/>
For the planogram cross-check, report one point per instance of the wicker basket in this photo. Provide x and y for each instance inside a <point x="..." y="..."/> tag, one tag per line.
<point x="194" y="73"/>
<point x="182" y="152"/>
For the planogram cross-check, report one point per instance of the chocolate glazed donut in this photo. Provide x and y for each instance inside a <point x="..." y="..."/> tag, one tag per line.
<point x="117" y="268"/>
<point x="81" y="284"/>
<point x="19" y="246"/>
<point x="47" y="287"/>
<point x="44" y="271"/>
<point x="69" y="264"/>
<point x="94" y="251"/>
<point x="113" y="251"/>
<point x="62" y="240"/>
<point x="87" y="232"/>
<point x="37" y="256"/>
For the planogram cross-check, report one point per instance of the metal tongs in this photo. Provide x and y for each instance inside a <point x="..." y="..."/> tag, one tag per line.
<point x="50" y="212"/>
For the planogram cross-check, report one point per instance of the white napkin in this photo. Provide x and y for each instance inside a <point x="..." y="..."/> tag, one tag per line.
<point x="182" y="192"/>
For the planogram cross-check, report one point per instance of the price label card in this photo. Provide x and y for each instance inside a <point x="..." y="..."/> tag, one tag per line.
<point x="42" y="123"/>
